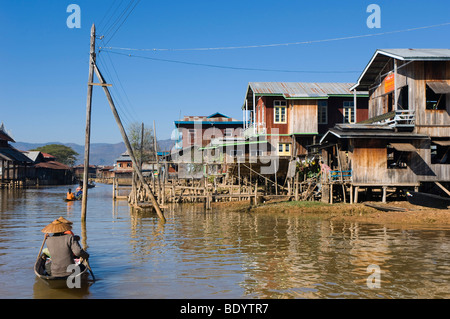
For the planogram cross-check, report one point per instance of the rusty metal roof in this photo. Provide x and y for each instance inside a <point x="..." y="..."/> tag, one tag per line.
<point x="52" y="165"/>
<point x="382" y="56"/>
<point x="301" y="89"/>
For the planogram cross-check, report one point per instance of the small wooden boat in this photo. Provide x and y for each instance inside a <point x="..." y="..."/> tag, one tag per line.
<point x="386" y="208"/>
<point x="427" y="200"/>
<point x="71" y="200"/>
<point x="57" y="282"/>
<point x="91" y="185"/>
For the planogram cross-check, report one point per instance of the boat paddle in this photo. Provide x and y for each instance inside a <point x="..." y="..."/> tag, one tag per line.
<point x="89" y="267"/>
<point x="42" y="246"/>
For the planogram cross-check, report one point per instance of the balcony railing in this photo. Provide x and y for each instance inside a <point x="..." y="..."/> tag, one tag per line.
<point x="250" y="131"/>
<point x="405" y="118"/>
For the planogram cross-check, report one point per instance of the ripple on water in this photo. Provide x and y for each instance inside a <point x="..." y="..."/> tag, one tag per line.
<point x="219" y="254"/>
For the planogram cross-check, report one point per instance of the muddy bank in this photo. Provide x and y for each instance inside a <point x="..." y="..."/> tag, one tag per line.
<point x="413" y="215"/>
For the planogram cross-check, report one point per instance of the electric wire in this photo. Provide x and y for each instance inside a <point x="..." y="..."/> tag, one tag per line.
<point x="228" y="67"/>
<point x="109" y="38"/>
<point x="99" y="26"/>
<point x="115" y="94"/>
<point x="107" y="25"/>
<point x="283" y="44"/>
<point x="130" y="105"/>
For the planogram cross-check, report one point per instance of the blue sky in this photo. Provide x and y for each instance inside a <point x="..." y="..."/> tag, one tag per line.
<point x="44" y="64"/>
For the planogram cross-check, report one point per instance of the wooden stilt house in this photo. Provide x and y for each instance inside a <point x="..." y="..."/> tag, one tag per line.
<point x="13" y="164"/>
<point x="406" y="140"/>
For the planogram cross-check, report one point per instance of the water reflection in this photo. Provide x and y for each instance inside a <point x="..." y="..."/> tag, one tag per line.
<point x="198" y="254"/>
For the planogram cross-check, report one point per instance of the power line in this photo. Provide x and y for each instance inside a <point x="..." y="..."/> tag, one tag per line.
<point x="123" y="21"/>
<point x="106" y="14"/>
<point x="127" y="117"/>
<point x="226" y="67"/>
<point x="284" y="44"/>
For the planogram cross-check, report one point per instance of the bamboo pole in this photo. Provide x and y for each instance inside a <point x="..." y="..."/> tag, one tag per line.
<point x="157" y="162"/>
<point x="88" y="126"/>
<point x="128" y="145"/>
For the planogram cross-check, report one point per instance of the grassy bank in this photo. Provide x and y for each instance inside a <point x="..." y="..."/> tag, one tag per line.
<point x="414" y="215"/>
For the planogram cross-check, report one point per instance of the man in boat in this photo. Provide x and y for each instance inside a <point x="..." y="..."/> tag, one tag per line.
<point x="79" y="191"/>
<point x="70" y="195"/>
<point x="63" y="248"/>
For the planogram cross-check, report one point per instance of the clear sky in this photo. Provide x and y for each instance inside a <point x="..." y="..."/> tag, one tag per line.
<point x="44" y="64"/>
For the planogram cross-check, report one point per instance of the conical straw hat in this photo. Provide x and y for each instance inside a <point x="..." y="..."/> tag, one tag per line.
<point x="56" y="226"/>
<point x="62" y="219"/>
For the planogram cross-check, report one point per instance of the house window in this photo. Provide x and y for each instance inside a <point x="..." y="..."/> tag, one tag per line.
<point x="349" y="112"/>
<point x="397" y="159"/>
<point x="280" y="111"/>
<point x="435" y="101"/>
<point x="284" y="149"/>
<point x="440" y="152"/>
<point x="322" y="108"/>
<point x="128" y="164"/>
<point x="403" y="99"/>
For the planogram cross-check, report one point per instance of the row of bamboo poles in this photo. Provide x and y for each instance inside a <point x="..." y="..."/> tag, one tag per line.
<point x="213" y="189"/>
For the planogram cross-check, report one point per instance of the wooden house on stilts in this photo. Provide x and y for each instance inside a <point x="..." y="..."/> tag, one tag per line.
<point x="13" y="163"/>
<point x="406" y="140"/>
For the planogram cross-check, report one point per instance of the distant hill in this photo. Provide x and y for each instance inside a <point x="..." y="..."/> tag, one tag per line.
<point x="100" y="153"/>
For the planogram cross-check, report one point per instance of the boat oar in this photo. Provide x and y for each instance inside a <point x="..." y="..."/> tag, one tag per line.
<point x="42" y="246"/>
<point x="89" y="267"/>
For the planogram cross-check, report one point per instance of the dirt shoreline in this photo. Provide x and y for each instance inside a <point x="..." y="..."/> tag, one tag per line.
<point x="414" y="215"/>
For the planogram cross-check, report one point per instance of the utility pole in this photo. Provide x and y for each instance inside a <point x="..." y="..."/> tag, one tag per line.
<point x="88" y="126"/>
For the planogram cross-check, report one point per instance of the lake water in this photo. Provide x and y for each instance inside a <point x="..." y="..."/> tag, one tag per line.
<point x="216" y="254"/>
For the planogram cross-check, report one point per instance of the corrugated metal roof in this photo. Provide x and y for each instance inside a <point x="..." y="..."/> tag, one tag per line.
<point x="417" y="54"/>
<point x="52" y="165"/>
<point x="11" y="154"/>
<point x="33" y="155"/>
<point x="382" y="56"/>
<point x="301" y="89"/>
<point x="215" y="118"/>
<point x="367" y="131"/>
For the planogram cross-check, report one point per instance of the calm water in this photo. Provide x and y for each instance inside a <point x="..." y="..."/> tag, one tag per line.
<point x="219" y="254"/>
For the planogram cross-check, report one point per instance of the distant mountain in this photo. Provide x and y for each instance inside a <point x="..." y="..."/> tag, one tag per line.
<point x="100" y="153"/>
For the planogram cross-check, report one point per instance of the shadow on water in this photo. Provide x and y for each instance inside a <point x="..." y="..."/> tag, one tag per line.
<point x="218" y="254"/>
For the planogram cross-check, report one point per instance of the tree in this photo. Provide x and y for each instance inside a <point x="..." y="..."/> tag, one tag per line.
<point x="135" y="137"/>
<point x="64" y="154"/>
